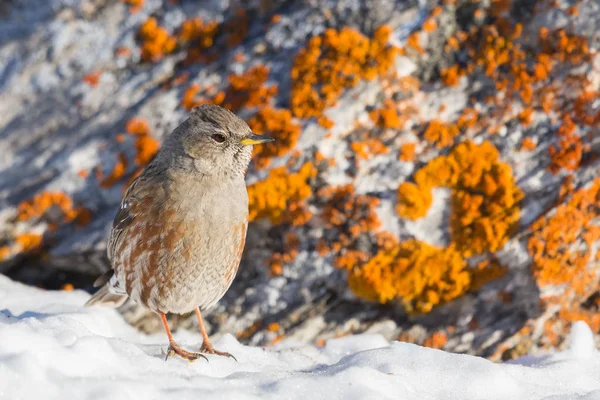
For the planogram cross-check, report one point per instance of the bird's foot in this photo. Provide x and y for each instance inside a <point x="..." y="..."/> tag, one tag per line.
<point x="208" y="349"/>
<point x="187" y="355"/>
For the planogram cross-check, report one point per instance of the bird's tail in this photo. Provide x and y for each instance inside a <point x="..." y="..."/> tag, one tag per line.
<point x="105" y="297"/>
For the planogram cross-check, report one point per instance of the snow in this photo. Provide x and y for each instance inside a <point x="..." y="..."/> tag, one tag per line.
<point x="52" y="347"/>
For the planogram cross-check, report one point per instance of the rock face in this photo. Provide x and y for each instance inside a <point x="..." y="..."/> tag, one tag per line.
<point x="435" y="177"/>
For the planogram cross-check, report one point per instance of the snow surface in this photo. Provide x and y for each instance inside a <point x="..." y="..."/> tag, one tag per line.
<point x="52" y="347"/>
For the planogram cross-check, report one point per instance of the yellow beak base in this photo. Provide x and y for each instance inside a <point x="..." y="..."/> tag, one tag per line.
<point x="256" y="139"/>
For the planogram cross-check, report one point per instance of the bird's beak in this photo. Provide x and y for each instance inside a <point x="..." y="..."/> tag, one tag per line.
<point x="256" y="139"/>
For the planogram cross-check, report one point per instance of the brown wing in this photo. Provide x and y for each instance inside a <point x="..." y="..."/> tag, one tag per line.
<point x="139" y="190"/>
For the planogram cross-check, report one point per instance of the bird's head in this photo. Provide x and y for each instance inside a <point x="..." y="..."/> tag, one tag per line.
<point x="218" y="141"/>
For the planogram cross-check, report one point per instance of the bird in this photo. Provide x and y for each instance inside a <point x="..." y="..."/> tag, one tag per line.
<point x="177" y="239"/>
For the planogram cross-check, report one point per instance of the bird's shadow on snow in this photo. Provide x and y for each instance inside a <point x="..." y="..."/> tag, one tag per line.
<point x="27" y="314"/>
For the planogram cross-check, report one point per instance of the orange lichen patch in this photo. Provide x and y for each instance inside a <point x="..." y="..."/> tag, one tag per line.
<point x="325" y="122"/>
<point x="484" y="202"/>
<point x="387" y="117"/>
<point x="200" y="36"/>
<point x="93" y="78"/>
<point x="348" y="212"/>
<point x="247" y="89"/>
<point x="441" y="134"/>
<point x="5" y="253"/>
<point x="83" y="173"/>
<point x="333" y="62"/>
<point x="189" y="100"/>
<point x="414" y="41"/>
<point x="526" y="116"/>
<point x="28" y="242"/>
<point x="429" y="25"/>
<point x="146" y="146"/>
<point x="408" y="152"/>
<point x="370" y="146"/>
<point x="137" y="126"/>
<point x="486" y="271"/>
<point x="528" y="144"/>
<point x="568" y="151"/>
<point x="273" y="327"/>
<point x="198" y="31"/>
<point x="467" y="119"/>
<point x="281" y="197"/>
<point x="117" y="173"/>
<point x="564" y="46"/>
<point x="290" y="252"/>
<point x="564" y="243"/>
<point x="134" y="5"/>
<point x="122" y="52"/>
<point x="248" y="332"/>
<point x="413" y="202"/>
<point x="418" y="274"/>
<point x="84" y="216"/>
<point x="156" y="41"/>
<point x="237" y="28"/>
<point x="437" y="340"/>
<point x="42" y="203"/>
<point x="68" y="287"/>
<point x="450" y="75"/>
<point x="278" y="124"/>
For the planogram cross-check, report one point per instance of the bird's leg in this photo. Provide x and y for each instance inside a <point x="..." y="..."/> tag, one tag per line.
<point x="206" y="346"/>
<point x="174" y="347"/>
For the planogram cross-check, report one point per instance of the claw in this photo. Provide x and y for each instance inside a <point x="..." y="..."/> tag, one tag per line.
<point x="186" y="355"/>
<point x="208" y="349"/>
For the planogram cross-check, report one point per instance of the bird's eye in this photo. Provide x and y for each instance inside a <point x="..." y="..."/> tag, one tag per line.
<point x="217" y="137"/>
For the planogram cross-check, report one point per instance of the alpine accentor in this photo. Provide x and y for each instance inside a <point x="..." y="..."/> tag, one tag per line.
<point x="177" y="240"/>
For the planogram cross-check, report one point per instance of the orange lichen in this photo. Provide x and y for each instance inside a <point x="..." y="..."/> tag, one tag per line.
<point x="278" y="124"/>
<point x="528" y="144"/>
<point x="429" y="25"/>
<point x="145" y="145"/>
<point x="333" y="62"/>
<point x="93" y="78"/>
<point x="348" y="212"/>
<point x="117" y="173"/>
<point x="5" y="253"/>
<point x="325" y="122"/>
<point x="146" y="148"/>
<point x="414" y="41"/>
<point x="484" y="202"/>
<point x="28" y="242"/>
<point x="387" y="117"/>
<point x="237" y="28"/>
<point x="281" y="197"/>
<point x="134" y="5"/>
<point x="365" y="149"/>
<point x="564" y="243"/>
<point x="247" y="89"/>
<point x="156" y="41"/>
<point x="408" y="152"/>
<point x="485" y="272"/>
<point x="437" y="340"/>
<point x="189" y="100"/>
<point x="413" y="202"/>
<point x="440" y="134"/>
<point x="418" y="274"/>
<point x="43" y="203"/>
<point x="198" y="31"/>
<point x="137" y="126"/>
<point x="567" y="153"/>
<point x="200" y="36"/>
<point x="289" y="253"/>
